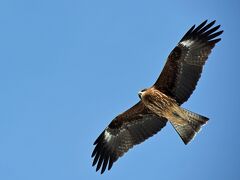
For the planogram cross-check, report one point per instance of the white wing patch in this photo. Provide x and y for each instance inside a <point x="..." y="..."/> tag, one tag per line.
<point x="107" y="136"/>
<point x="187" y="43"/>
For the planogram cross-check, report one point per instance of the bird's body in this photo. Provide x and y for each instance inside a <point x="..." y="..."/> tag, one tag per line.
<point x="167" y="107"/>
<point x="161" y="102"/>
<point x="158" y="102"/>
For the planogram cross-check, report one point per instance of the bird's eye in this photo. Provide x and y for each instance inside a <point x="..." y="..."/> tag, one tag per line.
<point x="143" y="90"/>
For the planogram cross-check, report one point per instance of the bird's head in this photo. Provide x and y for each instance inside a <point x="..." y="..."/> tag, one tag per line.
<point x="140" y="93"/>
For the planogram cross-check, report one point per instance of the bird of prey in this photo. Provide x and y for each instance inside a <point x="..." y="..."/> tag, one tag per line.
<point x="161" y="102"/>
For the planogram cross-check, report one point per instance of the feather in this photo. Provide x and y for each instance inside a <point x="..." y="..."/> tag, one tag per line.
<point x="184" y="65"/>
<point x="138" y="124"/>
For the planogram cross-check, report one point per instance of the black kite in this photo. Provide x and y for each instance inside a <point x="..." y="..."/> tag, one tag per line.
<point x="161" y="102"/>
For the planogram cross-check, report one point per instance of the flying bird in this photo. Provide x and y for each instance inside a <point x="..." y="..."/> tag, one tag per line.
<point x="161" y="102"/>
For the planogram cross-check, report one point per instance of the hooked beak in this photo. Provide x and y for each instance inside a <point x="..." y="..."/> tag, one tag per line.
<point x="140" y="94"/>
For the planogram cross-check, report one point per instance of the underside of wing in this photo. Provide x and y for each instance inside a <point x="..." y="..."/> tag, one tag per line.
<point x="184" y="65"/>
<point x="126" y="130"/>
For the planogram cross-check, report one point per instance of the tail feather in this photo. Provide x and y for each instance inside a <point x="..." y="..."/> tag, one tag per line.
<point x="195" y="120"/>
<point x="190" y="126"/>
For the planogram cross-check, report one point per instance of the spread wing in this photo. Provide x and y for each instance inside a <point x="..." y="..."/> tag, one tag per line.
<point x="185" y="63"/>
<point x="126" y="130"/>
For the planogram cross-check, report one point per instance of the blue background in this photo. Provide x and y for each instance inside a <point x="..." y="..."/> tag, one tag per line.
<point x="67" y="68"/>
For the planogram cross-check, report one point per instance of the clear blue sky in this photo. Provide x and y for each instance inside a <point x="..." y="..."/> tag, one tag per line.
<point x="67" y="68"/>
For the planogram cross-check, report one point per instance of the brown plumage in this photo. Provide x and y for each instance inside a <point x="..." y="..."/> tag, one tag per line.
<point x="161" y="102"/>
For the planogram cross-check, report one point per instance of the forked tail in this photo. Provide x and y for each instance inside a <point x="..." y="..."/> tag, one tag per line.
<point x="190" y="126"/>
